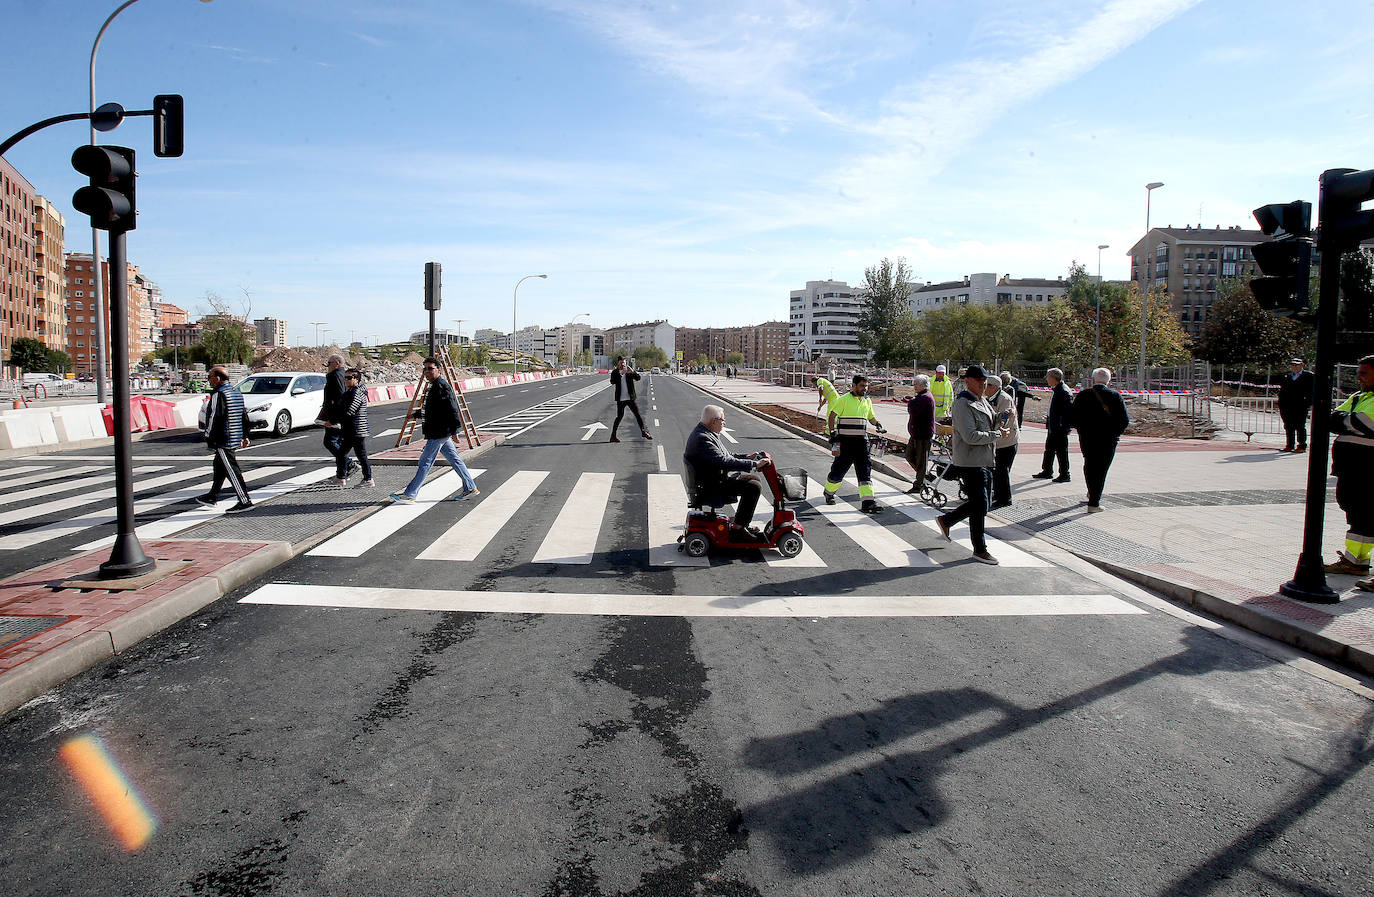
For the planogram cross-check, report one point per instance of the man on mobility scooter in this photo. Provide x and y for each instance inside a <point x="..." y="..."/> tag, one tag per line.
<point x="714" y="479"/>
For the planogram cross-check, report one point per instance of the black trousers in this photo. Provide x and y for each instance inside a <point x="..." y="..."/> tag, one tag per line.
<point x="620" y="413"/>
<point x="1097" y="460"/>
<point x="1056" y="446"/>
<point x="1001" y="475"/>
<point x="748" y="492"/>
<point x="1294" y="427"/>
<point x="977" y="483"/>
<point x="226" y="467"/>
<point x="358" y="446"/>
<point x="853" y="453"/>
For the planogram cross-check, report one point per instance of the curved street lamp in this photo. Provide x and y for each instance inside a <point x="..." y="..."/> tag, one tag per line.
<point x="515" y="358"/>
<point x="96" y="285"/>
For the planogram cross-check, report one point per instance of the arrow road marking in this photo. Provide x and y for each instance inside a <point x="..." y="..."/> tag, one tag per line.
<point x="725" y="431"/>
<point x="591" y="430"/>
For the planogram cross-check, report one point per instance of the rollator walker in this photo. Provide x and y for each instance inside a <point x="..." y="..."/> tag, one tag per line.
<point x="707" y="529"/>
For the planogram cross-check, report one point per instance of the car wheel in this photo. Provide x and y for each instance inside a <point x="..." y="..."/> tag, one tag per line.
<point x="697" y="545"/>
<point x="790" y="545"/>
<point x="282" y="425"/>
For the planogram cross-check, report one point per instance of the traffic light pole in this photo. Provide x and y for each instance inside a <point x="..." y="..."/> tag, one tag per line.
<point x="126" y="557"/>
<point x="1309" y="580"/>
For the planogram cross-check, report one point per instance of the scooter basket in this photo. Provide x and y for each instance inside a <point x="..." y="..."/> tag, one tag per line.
<point x="793" y="482"/>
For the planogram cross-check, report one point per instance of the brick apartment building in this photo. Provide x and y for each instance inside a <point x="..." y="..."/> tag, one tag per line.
<point x="81" y="344"/>
<point x="19" y="312"/>
<point x="760" y="344"/>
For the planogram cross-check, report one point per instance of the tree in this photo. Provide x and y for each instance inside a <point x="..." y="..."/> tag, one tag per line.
<point x="956" y="331"/>
<point x="225" y="339"/>
<point x="28" y="354"/>
<point x="1073" y="323"/>
<point x="907" y="338"/>
<point x="59" y="362"/>
<point x="735" y="358"/>
<point x="1240" y="331"/>
<point x="702" y="360"/>
<point x="1357" y="290"/>
<point x="650" y="357"/>
<point x="886" y="288"/>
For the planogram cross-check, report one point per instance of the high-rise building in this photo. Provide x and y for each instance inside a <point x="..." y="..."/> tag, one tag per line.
<point x="19" y="311"/>
<point x="761" y="345"/>
<point x="81" y="344"/>
<point x="50" y="275"/>
<point x="823" y="319"/>
<point x="495" y="338"/>
<point x="271" y="332"/>
<point x="1192" y="262"/>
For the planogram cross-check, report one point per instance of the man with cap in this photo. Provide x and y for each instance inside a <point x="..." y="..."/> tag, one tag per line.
<point x="942" y="391"/>
<point x="973" y="453"/>
<point x="1295" y="399"/>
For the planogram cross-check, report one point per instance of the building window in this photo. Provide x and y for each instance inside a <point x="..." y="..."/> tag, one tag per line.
<point x="80" y="293"/>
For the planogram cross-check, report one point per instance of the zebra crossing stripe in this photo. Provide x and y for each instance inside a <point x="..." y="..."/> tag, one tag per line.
<point x="38" y="478"/>
<point x="13" y="471"/>
<point x="69" y="485"/>
<point x="886" y="547"/>
<point x="175" y="523"/>
<point x="572" y="540"/>
<point x="370" y="532"/>
<point x="474" y="531"/>
<point x="599" y="604"/>
<point x="90" y="497"/>
<point x="667" y="521"/>
<point x="1007" y="554"/>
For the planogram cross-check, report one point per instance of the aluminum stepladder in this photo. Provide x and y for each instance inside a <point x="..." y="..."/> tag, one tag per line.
<point x="417" y="401"/>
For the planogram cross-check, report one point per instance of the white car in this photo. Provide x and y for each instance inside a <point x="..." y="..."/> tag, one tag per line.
<point x="279" y="400"/>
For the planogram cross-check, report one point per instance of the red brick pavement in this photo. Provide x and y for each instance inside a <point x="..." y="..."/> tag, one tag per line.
<point x="31" y="594"/>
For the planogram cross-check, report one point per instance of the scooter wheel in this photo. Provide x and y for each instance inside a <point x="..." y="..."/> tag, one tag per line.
<point x="697" y="545"/>
<point x="790" y="545"/>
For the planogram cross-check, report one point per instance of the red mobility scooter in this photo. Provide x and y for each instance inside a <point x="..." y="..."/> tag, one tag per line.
<point x="706" y="529"/>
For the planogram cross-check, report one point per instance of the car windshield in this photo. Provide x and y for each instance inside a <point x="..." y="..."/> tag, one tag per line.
<point x="264" y="385"/>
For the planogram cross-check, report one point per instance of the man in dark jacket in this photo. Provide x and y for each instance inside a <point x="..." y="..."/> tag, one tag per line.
<point x="331" y="415"/>
<point x="1099" y="416"/>
<point x="1295" y="400"/>
<point x="716" y="471"/>
<point x="1019" y="392"/>
<point x="623" y="379"/>
<point x="226" y="431"/>
<point x="439" y="423"/>
<point x="920" y="429"/>
<point x="1058" y="423"/>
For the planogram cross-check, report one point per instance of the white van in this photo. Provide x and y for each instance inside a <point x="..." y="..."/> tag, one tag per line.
<point x="46" y="378"/>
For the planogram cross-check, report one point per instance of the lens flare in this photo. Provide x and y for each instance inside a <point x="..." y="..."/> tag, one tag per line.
<point x="110" y="790"/>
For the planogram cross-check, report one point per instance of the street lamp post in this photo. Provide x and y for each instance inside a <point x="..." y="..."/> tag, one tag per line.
<point x="317" y="331"/>
<point x="1097" y="336"/>
<point x="585" y="314"/>
<point x="514" y="358"/>
<point x="96" y="284"/>
<point x="1145" y="279"/>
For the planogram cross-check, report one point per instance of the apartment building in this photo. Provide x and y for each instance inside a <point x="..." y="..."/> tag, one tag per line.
<point x="761" y="344"/>
<point x="823" y="319"/>
<point x="624" y="339"/>
<point x="1192" y="262"/>
<point x="81" y="328"/>
<point x="20" y="315"/>
<point x="271" y="332"/>
<point x="986" y="290"/>
<point x="50" y="275"/>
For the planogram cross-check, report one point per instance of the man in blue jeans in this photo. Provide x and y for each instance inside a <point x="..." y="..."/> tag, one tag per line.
<point x="439" y="423"/>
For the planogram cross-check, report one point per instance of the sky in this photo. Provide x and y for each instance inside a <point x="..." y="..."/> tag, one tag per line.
<point x="690" y="161"/>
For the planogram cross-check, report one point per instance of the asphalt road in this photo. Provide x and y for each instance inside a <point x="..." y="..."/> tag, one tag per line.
<point x="438" y="710"/>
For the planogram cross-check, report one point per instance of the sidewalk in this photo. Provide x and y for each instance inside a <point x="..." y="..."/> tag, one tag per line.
<point x="1214" y="524"/>
<point x="55" y="622"/>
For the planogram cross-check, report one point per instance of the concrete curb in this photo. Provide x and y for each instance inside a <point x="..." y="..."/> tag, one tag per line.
<point x="1258" y="620"/>
<point x="55" y="667"/>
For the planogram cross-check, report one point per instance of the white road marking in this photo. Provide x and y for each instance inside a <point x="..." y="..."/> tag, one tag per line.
<point x="372" y="531"/>
<point x="83" y="483"/>
<point x="807" y="557"/>
<point x="1007" y="555"/>
<point x="175" y="523"/>
<point x="86" y="497"/>
<point x="667" y="521"/>
<point x="572" y="539"/>
<point x="391" y="432"/>
<point x="656" y="425"/>
<point x="725" y="431"/>
<point x="474" y="531"/>
<point x="591" y="430"/>
<point x="887" y="547"/>
<point x="662" y="459"/>
<point x="815" y="606"/>
<point x="17" y="470"/>
<point x="52" y="474"/>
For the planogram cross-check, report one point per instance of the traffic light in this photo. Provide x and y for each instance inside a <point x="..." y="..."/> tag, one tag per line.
<point x="1343" y="224"/>
<point x="167" y="125"/>
<point x="109" y="199"/>
<point x="434" y="276"/>
<point x="1284" y="261"/>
